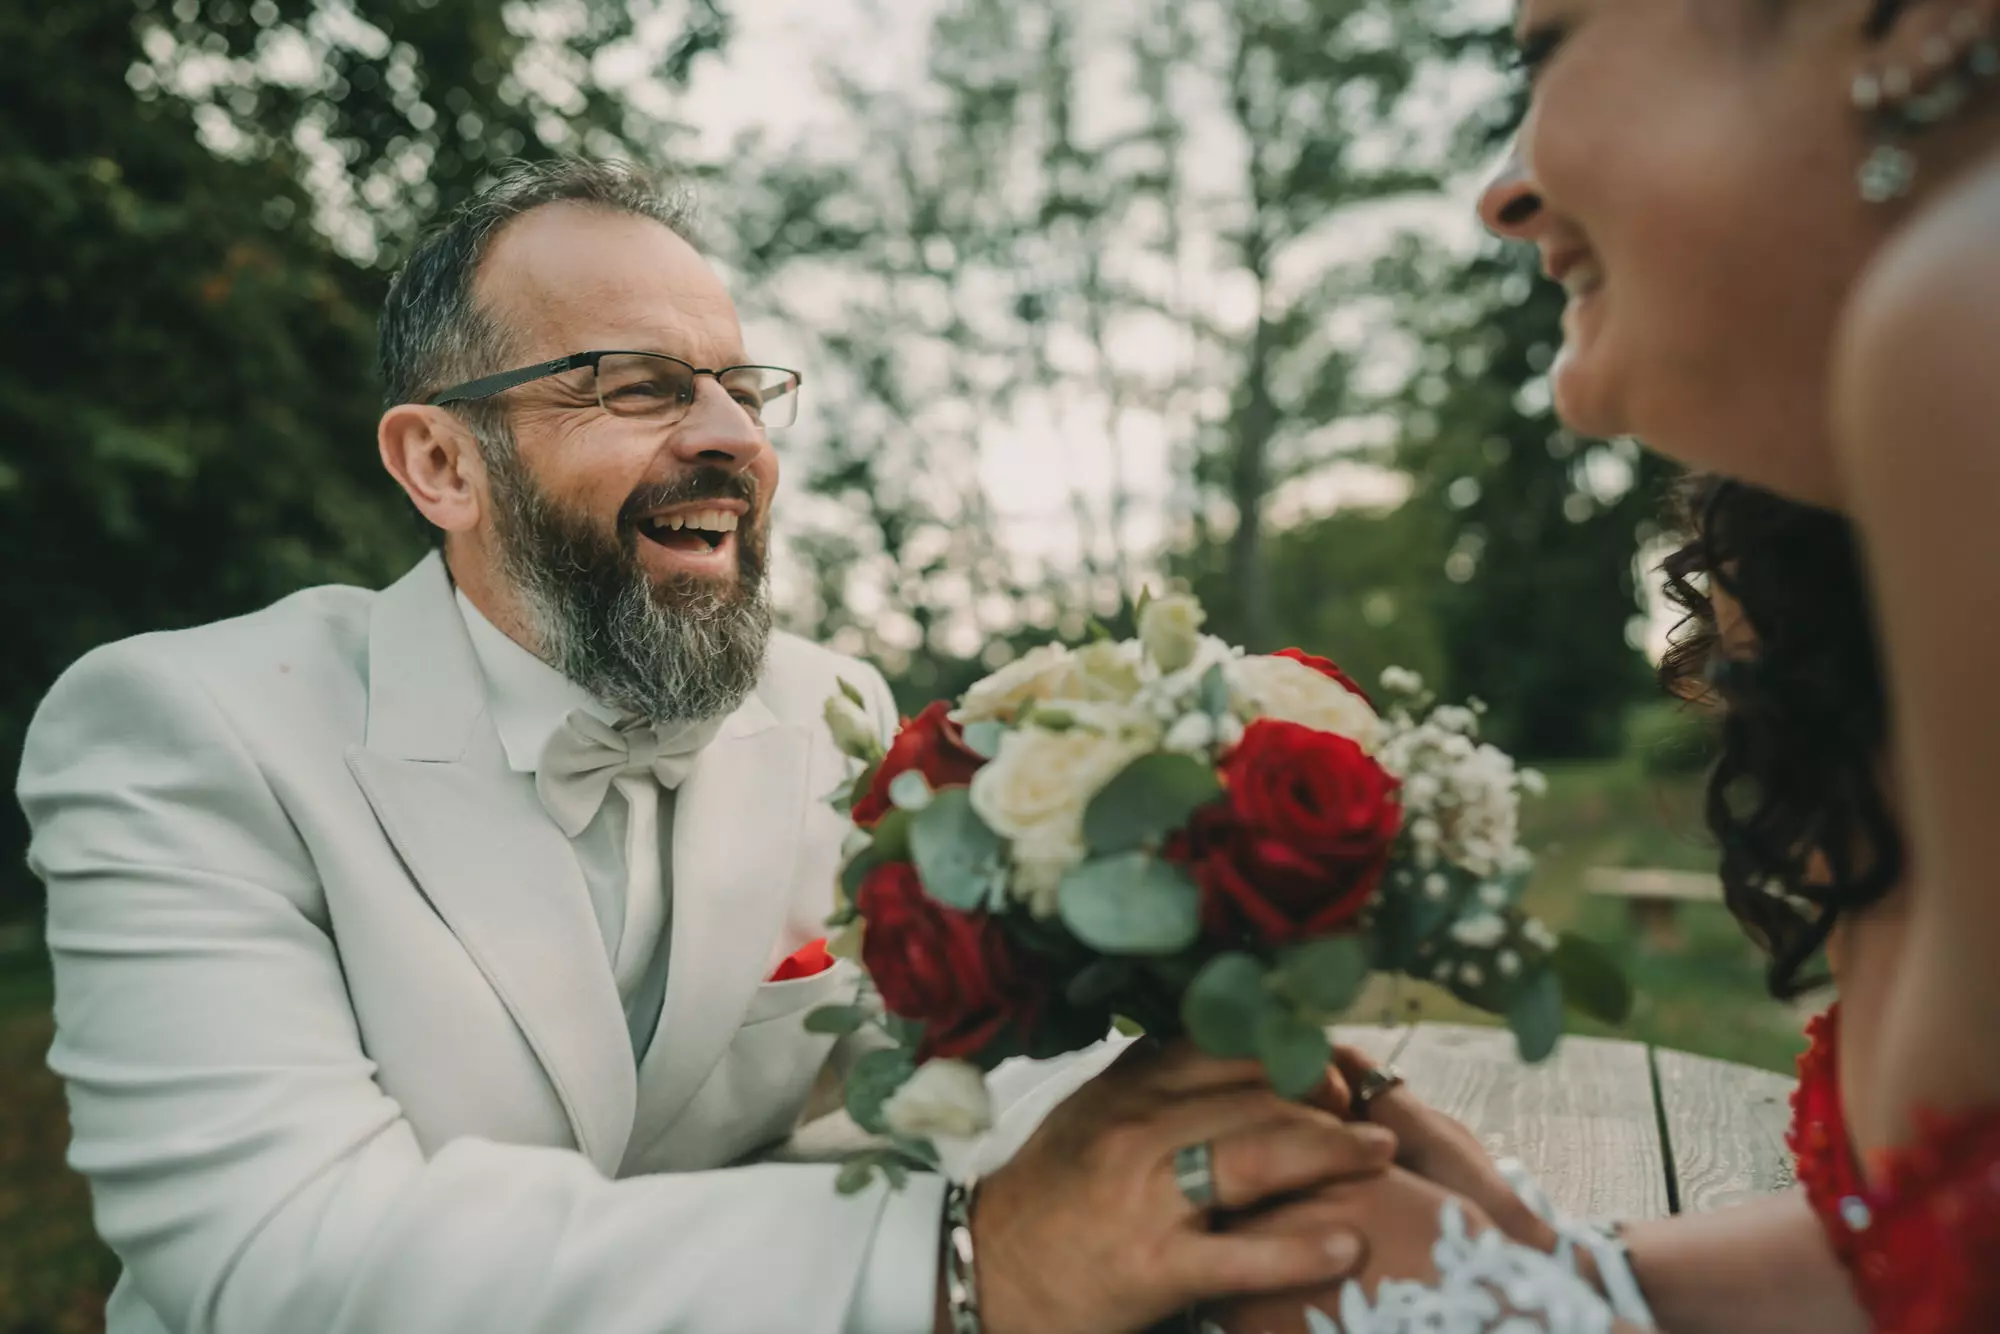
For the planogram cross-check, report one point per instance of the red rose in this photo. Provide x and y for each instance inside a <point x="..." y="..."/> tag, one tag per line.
<point x="1296" y="846"/>
<point x="933" y="745"/>
<point x="1325" y="667"/>
<point x="956" y="973"/>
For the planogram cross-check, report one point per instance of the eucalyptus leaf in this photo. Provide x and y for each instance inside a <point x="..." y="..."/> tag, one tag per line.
<point x="896" y="1171"/>
<point x="892" y="837"/>
<point x="1133" y="904"/>
<point x="874" y="1079"/>
<point x="1225" y="1004"/>
<point x="853" y="695"/>
<point x="910" y="790"/>
<point x="1591" y="981"/>
<point x="956" y="854"/>
<point x="1215" y="692"/>
<point x="839" y="1020"/>
<point x="1295" y="1051"/>
<point x="1536" y="1016"/>
<point x="983" y="738"/>
<point x="1148" y="800"/>
<point x="1099" y="982"/>
<point x="856" y="1175"/>
<point x="1327" y="974"/>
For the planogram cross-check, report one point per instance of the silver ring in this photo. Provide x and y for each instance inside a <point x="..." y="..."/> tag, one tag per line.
<point x="1194" y="1173"/>
<point x="1374" y="1082"/>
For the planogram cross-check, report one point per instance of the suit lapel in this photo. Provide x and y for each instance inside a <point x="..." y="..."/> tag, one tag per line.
<point x="737" y="821"/>
<point x="486" y="855"/>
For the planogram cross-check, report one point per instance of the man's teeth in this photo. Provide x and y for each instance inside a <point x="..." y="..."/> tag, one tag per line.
<point x="709" y="521"/>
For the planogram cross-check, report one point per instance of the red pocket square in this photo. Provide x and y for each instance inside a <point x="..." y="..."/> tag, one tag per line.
<point x="809" y="959"/>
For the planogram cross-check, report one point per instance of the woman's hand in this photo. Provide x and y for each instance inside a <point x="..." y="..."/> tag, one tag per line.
<point x="1433" y="1146"/>
<point x="1398" y="1214"/>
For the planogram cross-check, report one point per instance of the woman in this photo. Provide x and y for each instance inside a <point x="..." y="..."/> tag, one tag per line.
<point x="1778" y="222"/>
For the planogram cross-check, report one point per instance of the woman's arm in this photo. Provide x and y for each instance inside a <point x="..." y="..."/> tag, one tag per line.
<point x="1918" y="422"/>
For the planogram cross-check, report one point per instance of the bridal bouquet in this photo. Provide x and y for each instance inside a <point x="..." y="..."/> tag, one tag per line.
<point x="1171" y="835"/>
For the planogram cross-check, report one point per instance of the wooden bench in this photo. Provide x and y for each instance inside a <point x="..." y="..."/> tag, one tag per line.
<point x="1655" y="898"/>
<point x="1613" y="1129"/>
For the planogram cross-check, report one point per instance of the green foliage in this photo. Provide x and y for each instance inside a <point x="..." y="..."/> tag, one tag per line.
<point x="1295" y="1051"/>
<point x="1133" y="903"/>
<point x="1536" y="1016"/>
<point x="1592" y="983"/>
<point x="1150" y="799"/>
<point x="1225" y="1004"/>
<point x="874" y="1079"/>
<point x="1326" y="975"/>
<point x="1671" y="739"/>
<point x="957" y="855"/>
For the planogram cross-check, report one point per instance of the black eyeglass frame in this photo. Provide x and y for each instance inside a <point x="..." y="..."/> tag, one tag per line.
<point x="486" y="386"/>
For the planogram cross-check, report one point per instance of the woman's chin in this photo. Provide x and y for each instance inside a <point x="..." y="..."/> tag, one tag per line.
<point x="1582" y="394"/>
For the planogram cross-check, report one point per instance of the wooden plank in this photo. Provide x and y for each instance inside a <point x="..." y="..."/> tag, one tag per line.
<point x="1583" y="1121"/>
<point x="1725" y="1127"/>
<point x="1679" y="886"/>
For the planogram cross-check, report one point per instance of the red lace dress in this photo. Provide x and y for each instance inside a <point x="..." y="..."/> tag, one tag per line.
<point x="1922" y="1241"/>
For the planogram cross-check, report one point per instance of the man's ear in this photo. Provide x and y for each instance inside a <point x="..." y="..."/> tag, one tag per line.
<point x="434" y="458"/>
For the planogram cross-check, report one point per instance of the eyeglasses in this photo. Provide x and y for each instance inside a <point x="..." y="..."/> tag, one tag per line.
<point x="652" y="386"/>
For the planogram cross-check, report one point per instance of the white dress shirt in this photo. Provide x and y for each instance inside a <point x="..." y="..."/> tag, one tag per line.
<point x="529" y="700"/>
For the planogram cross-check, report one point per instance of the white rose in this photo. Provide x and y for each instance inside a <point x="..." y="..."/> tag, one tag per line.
<point x="941" y="1098"/>
<point x="1170" y="629"/>
<point x="1105" y="671"/>
<point x="1192" y="735"/>
<point x="852" y="731"/>
<point x="1039" y="674"/>
<point x="1035" y="791"/>
<point x="1264" y="687"/>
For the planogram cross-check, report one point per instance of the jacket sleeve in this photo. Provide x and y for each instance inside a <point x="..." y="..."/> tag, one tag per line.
<point x="244" y="1163"/>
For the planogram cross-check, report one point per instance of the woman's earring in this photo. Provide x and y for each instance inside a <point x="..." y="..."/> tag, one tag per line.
<point x="1901" y="105"/>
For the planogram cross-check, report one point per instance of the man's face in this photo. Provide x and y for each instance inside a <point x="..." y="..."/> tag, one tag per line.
<point x="638" y="546"/>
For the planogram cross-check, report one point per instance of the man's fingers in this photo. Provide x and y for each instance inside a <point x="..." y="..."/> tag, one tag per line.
<point x="1241" y="1263"/>
<point x="1182" y="1068"/>
<point x="1295" y="1154"/>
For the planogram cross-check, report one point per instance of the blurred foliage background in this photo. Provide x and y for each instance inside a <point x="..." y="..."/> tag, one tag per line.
<point x="1192" y="277"/>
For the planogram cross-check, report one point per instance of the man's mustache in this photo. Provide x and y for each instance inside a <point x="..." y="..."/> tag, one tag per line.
<point x="709" y="483"/>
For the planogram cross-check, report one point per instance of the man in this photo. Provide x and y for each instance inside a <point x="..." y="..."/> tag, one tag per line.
<point x="418" y="954"/>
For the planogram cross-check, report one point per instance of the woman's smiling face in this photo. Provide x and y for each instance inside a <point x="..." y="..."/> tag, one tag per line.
<point x="1687" y="170"/>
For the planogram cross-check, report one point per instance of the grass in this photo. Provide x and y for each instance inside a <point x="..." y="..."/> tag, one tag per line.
<point x="1706" y="997"/>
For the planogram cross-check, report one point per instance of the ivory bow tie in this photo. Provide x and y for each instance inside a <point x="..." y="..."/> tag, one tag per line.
<point x="586" y="755"/>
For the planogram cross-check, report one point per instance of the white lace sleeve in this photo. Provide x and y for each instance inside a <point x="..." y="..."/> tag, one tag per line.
<point x="1486" y="1285"/>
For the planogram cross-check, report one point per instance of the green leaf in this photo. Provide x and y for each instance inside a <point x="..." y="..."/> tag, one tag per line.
<point x="1591" y="981"/>
<point x="856" y="1175"/>
<point x="839" y="1020"/>
<point x="1099" y="982"/>
<point x="872" y="1081"/>
<point x="1134" y="904"/>
<point x="892" y="837"/>
<point x="983" y="739"/>
<point x="1295" y="1052"/>
<point x="853" y="695"/>
<point x="910" y="790"/>
<point x="1327" y="974"/>
<point x="1536" y="1016"/>
<point x="1214" y="692"/>
<point x="956" y="854"/>
<point x="1153" y="796"/>
<point x="896" y="1171"/>
<point x="1225" y="1004"/>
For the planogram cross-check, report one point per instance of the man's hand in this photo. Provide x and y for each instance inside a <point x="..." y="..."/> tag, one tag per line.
<point x="1085" y="1232"/>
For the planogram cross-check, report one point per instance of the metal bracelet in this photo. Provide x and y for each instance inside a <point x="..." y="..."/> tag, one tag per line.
<point x="961" y="1275"/>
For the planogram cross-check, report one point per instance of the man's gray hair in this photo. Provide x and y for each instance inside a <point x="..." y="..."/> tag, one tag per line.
<point x="433" y="334"/>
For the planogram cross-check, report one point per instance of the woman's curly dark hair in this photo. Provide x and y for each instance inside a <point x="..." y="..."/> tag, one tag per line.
<point x="1795" y="799"/>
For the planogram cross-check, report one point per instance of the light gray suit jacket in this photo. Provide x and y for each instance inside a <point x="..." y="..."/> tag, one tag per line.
<point x="342" y="1046"/>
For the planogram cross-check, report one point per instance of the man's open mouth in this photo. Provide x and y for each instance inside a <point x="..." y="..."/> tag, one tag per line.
<point x="689" y="530"/>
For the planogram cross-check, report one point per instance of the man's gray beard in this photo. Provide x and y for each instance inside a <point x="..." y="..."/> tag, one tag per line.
<point x="678" y="652"/>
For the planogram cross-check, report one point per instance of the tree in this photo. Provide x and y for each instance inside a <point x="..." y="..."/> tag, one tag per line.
<point x="1089" y="221"/>
<point x="210" y="196"/>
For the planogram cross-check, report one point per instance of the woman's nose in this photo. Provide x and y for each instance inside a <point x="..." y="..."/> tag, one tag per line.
<point x="1511" y="204"/>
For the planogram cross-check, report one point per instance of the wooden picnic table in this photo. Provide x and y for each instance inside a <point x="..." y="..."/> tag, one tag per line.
<point x="1613" y="1129"/>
